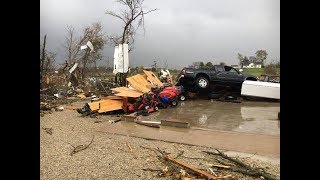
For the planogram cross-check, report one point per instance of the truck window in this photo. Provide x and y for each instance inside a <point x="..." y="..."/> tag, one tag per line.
<point x="233" y="71"/>
<point x="230" y="69"/>
<point x="219" y="68"/>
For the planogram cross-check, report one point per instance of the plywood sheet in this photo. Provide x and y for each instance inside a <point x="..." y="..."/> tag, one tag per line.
<point x="137" y="83"/>
<point x="141" y="80"/>
<point x="129" y="94"/>
<point x="106" y="105"/>
<point x="152" y="77"/>
<point x="126" y="92"/>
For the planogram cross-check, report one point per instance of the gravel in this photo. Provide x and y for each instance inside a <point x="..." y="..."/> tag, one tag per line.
<point x="113" y="156"/>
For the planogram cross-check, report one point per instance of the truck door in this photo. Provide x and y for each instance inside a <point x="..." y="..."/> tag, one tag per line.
<point x="230" y="75"/>
<point x="220" y="74"/>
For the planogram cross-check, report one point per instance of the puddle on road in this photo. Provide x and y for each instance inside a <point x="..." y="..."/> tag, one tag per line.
<point x="247" y="116"/>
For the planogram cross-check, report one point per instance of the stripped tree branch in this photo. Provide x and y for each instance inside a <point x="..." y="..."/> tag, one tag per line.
<point x="81" y="147"/>
<point x="245" y="169"/>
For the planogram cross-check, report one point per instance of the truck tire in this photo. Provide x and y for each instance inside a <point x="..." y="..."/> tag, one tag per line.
<point x="202" y="82"/>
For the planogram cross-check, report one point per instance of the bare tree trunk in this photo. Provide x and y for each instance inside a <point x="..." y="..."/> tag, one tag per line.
<point x="85" y="60"/>
<point x="42" y="60"/>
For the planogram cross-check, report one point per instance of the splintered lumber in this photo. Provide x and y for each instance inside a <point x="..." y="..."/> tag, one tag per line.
<point x="149" y="123"/>
<point x="139" y="83"/>
<point x="81" y="95"/>
<point x="175" y="123"/>
<point x="106" y="105"/>
<point x="126" y="92"/>
<point x="192" y="168"/>
<point x="153" y="78"/>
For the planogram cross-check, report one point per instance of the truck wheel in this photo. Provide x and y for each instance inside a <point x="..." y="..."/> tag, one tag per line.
<point x="202" y="82"/>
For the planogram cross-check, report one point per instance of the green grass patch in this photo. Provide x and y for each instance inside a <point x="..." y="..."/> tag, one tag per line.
<point x="257" y="71"/>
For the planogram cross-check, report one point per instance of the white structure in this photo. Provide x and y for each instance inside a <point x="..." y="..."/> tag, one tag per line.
<point x="261" y="89"/>
<point x="89" y="44"/>
<point x="252" y="65"/>
<point x="121" y="59"/>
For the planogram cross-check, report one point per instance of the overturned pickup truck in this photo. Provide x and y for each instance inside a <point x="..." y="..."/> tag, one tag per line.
<point x="219" y="76"/>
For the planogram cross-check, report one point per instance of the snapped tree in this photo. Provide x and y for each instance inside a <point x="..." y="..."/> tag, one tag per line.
<point x="47" y="60"/>
<point x="133" y="18"/>
<point x="241" y="60"/>
<point x="86" y="58"/>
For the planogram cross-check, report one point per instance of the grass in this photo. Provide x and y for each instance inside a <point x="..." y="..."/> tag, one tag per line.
<point x="257" y="71"/>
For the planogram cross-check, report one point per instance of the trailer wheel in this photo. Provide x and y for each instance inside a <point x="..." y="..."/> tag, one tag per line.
<point x="174" y="103"/>
<point x="182" y="98"/>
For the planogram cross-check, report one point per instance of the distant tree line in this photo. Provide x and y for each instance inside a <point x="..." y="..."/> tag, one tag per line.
<point x="202" y="65"/>
<point x="259" y="58"/>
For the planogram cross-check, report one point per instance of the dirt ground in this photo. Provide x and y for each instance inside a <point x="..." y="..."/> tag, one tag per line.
<point x="113" y="156"/>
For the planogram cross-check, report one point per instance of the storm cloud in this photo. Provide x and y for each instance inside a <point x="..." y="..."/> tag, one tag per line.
<point x="181" y="32"/>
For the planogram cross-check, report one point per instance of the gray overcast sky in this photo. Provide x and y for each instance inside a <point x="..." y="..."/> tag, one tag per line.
<point x="181" y="32"/>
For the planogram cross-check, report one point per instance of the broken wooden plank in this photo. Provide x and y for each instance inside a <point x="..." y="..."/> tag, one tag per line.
<point x="81" y="95"/>
<point x="153" y="78"/>
<point x="192" y="168"/>
<point x="128" y="118"/>
<point x="175" y="123"/>
<point x="72" y="107"/>
<point x="112" y="97"/>
<point x="149" y="123"/>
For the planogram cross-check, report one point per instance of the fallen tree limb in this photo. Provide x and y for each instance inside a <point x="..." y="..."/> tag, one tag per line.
<point x="194" y="158"/>
<point x="194" y="169"/>
<point x="80" y="147"/>
<point x="246" y="169"/>
<point x="129" y="146"/>
<point x="48" y="130"/>
<point x="229" y="158"/>
<point x="219" y="166"/>
<point x="152" y="170"/>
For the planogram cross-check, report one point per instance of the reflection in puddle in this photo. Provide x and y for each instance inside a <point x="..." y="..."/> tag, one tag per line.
<point x="203" y="119"/>
<point x="248" y="116"/>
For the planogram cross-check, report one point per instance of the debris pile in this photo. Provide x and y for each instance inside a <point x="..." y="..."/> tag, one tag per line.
<point x="63" y="87"/>
<point x="145" y="94"/>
